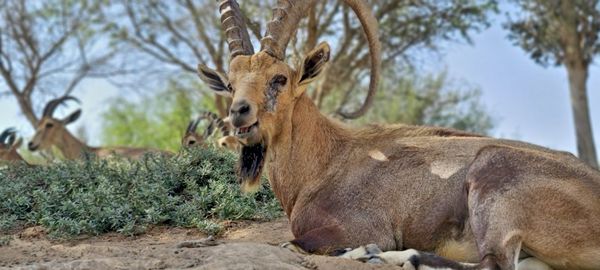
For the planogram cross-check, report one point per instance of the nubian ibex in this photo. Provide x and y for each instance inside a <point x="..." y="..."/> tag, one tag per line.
<point x="192" y="138"/>
<point x="9" y="145"/>
<point x="52" y="131"/>
<point x="432" y="201"/>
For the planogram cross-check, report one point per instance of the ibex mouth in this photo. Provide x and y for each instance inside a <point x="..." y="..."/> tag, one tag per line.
<point x="245" y="132"/>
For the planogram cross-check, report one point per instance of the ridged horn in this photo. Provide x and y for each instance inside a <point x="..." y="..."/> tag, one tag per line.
<point x="191" y="128"/>
<point x="214" y="120"/>
<point x="286" y="16"/>
<point x="232" y="22"/>
<point x="53" y="104"/>
<point x="8" y="136"/>
<point x="370" y="27"/>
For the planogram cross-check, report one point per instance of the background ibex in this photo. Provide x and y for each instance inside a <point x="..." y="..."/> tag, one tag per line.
<point x="191" y="138"/>
<point x="51" y="131"/>
<point x="9" y="145"/>
<point x="463" y="198"/>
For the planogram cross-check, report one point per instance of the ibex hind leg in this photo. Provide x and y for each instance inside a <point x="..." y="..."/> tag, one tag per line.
<point x="550" y="210"/>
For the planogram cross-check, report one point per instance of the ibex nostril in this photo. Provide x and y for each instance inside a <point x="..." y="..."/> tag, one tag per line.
<point x="240" y="108"/>
<point x="244" y="109"/>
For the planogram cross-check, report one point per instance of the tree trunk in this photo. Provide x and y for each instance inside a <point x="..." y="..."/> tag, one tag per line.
<point x="222" y="107"/>
<point x="581" y="115"/>
<point x="27" y="109"/>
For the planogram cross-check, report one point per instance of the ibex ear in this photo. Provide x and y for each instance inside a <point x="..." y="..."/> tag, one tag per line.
<point x="313" y="64"/>
<point x="215" y="80"/>
<point x="72" y="117"/>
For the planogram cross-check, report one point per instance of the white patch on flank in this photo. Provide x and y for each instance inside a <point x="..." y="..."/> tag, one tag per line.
<point x="377" y="155"/>
<point x="532" y="263"/>
<point x="444" y="169"/>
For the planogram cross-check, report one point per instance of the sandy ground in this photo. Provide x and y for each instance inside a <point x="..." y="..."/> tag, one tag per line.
<point x="245" y="245"/>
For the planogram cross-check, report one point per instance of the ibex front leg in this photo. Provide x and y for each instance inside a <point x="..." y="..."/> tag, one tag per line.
<point x="411" y="259"/>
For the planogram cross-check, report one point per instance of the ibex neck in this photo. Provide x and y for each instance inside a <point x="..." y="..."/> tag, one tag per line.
<point x="299" y="156"/>
<point x="71" y="147"/>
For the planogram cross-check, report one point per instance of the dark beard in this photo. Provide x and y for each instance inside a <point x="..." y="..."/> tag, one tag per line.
<point x="251" y="163"/>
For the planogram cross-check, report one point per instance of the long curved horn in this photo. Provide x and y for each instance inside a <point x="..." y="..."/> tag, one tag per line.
<point x="286" y="16"/>
<point x="191" y="128"/>
<point x="7" y="134"/>
<point x="215" y="121"/>
<point x="53" y="104"/>
<point x="288" y="13"/>
<point x="370" y="26"/>
<point x="213" y="118"/>
<point x="235" y="29"/>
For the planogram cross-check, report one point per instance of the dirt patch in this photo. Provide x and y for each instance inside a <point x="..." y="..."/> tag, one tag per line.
<point x="246" y="245"/>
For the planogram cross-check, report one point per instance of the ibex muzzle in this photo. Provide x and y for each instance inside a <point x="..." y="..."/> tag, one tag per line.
<point x="454" y="195"/>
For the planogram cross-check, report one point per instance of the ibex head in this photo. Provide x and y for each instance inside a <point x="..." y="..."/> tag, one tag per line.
<point x="263" y="87"/>
<point x="49" y="129"/>
<point x="192" y="138"/>
<point x="230" y="142"/>
<point x="9" y="145"/>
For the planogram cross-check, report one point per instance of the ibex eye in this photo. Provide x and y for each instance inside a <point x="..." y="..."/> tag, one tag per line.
<point x="279" y="80"/>
<point x="49" y="125"/>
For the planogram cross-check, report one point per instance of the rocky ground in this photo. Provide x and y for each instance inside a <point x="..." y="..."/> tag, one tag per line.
<point x="245" y="245"/>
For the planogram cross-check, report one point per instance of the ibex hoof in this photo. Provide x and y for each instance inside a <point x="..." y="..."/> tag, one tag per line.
<point x="293" y="248"/>
<point x="362" y="253"/>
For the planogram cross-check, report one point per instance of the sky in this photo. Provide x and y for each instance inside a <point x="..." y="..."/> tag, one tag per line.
<point x="530" y="102"/>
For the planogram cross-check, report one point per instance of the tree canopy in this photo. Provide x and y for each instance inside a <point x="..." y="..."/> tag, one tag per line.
<point x="49" y="47"/>
<point x="563" y="33"/>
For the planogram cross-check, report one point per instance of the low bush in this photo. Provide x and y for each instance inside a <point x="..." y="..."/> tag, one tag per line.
<point x="196" y="188"/>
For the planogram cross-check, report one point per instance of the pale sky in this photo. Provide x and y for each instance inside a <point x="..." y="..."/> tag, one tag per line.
<point x="530" y="102"/>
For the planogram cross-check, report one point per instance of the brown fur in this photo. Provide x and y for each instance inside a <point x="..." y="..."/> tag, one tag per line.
<point x="192" y="138"/>
<point x="458" y="194"/>
<point x="9" y="146"/>
<point x="53" y="132"/>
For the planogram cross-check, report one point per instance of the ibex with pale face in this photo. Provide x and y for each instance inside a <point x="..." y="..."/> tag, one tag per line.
<point x="52" y="131"/>
<point x="9" y="145"/>
<point x="192" y="138"/>
<point x="458" y="198"/>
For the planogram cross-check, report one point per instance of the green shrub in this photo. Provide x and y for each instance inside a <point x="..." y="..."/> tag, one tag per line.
<point x="195" y="188"/>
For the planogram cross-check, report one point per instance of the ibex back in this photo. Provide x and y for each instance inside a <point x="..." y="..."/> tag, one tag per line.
<point x="460" y="198"/>
<point x="51" y="131"/>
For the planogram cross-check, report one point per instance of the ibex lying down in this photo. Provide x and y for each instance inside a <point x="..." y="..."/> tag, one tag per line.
<point x="461" y="198"/>
<point x="9" y="145"/>
<point x="191" y="138"/>
<point x="51" y="131"/>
